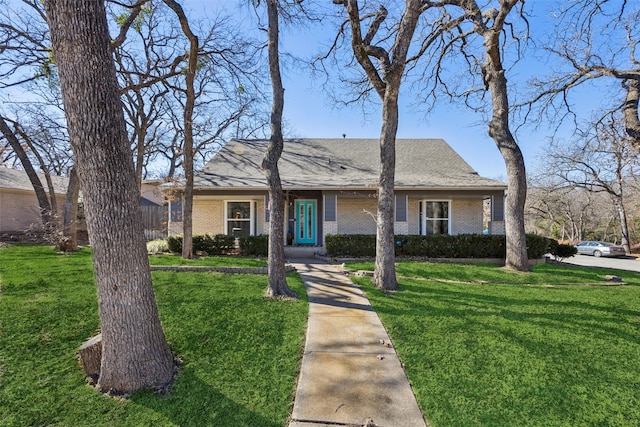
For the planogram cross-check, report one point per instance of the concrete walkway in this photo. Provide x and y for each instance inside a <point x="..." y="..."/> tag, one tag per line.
<point x="350" y="373"/>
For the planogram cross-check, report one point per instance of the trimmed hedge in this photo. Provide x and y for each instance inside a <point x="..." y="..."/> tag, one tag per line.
<point x="564" y="251"/>
<point x="218" y="244"/>
<point x="254" y="245"/>
<point x="436" y="246"/>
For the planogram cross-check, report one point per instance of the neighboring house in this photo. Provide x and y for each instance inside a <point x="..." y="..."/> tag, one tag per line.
<point x="19" y="209"/>
<point x="20" y="212"/>
<point x="330" y="188"/>
<point x="154" y="210"/>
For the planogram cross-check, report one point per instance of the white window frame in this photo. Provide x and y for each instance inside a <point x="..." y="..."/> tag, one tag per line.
<point x="252" y="216"/>
<point x="424" y="219"/>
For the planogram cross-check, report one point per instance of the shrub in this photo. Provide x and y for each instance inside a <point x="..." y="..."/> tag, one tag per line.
<point x="435" y="246"/>
<point x="537" y="246"/>
<point x="354" y="245"/>
<point x="218" y="244"/>
<point x="254" y="245"/>
<point x="157" y="246"/>
<point x="564" y="251"/>
<point x="175" y="243"/>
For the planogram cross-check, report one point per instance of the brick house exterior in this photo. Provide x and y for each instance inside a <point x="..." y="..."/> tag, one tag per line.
<point x="330" y="188"/>
<point x="19" y="208"/>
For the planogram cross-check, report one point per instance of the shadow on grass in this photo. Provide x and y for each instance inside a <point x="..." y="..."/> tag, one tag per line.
<point x="604" y="313"/>
<point x="194" y="402"/>
<point x="517" y="355"/>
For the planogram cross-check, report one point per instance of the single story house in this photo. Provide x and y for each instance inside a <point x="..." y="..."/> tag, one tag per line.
<point x="19" y="208"/>
<point x="330" y="188"/>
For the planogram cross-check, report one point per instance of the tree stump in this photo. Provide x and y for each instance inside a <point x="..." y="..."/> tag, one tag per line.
<point x="90" y="355"/>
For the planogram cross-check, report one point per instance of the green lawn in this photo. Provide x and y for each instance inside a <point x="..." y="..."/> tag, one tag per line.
<point x="240" y="352"/>
<point x="482" y="348"/>
<point x="217" y="261"/>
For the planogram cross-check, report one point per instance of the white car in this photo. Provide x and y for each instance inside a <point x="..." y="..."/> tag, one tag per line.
<point x="599" y="249"/>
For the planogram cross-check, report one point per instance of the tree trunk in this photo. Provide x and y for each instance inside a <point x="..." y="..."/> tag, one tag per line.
<point x="384" y="275"/>
<point x="277" y="275"/>
<point x="624" y="227"/>
<point x="386" y="83"/>
<point x="46" y="213"/>
<point x="70" y="217"/>
<point x="631" y="120"/>
<point x="135" y="353"/>
<point x="496" y="81"/>
<point x="187" y="163"/>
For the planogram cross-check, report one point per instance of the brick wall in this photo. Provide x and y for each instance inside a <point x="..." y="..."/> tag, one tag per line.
<point x="262" y="227"/>
<point x="413" y="217"/>
<point x="496" y="227"/>
<point x="352" y="218"/>
<point x="329" y="227"/>
<point x="208" y="216"/>
<point x="19" y="211"/>
<point x="466" y="217"/>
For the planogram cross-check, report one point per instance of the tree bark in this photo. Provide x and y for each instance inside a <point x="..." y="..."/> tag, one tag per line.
<point x="630" y="110"/>
<point x="135" y="353"/>
<point x="70" y="216"/>
<point x="624" y="227"/>
<point x="384" y="274"/>
<point x="277" y="275"/>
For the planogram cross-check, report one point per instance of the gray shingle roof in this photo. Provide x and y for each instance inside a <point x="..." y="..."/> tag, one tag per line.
<point x="16" y="179"/>
<point x="341" y="164"/>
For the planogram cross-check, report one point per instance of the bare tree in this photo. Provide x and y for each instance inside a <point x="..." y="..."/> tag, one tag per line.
<point x="135" y="353"/>
<point x="277" y="275"/>
<point x="46" y="199"/>
<point x="601" y="160"/>
<point x="190" y="92"/>
<point x="595" y="44"/>
<point x="385" y="76"/>
<point x="486" y="59"/>
<point x="559" y="211"/>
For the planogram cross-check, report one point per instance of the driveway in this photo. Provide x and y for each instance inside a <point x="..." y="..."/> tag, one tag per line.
<point x="626" y="263"/>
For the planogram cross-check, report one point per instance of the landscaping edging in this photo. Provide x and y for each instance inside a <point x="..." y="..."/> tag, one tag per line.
<point x="228" y="270"/>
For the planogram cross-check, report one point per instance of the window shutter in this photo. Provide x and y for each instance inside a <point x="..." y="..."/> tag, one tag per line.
<point x="401" y="207"/>
<point x="497" y="208"/>
<point x="421" y="219"/>
<point x="267" y="210"/>
<point x="330" y="202"/>
<point x="176" y="209"/>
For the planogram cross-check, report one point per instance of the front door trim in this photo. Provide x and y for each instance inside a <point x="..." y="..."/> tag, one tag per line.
<point x="306" y="221"/>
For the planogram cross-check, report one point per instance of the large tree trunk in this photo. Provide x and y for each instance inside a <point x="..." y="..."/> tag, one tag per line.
<point x="496" y="81"/>
<point x="135" y="353"/>
<point x="277" y="275"/>
<point x="631" y="119"/>
<point x="384" y="275"/>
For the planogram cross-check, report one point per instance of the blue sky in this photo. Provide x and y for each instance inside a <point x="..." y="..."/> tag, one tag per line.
<point x="310" y="113"/>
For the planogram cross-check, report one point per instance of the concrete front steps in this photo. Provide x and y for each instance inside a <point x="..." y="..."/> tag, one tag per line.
<point x="303" y="251"/>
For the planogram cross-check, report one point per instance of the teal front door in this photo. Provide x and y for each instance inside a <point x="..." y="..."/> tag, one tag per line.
<point x="305" y="222"/>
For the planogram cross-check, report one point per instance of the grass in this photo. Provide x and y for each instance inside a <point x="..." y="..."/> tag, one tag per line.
<point x="217" y="261"/>
<point x="504" y="354"/>
<point x="240" y="352"/>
